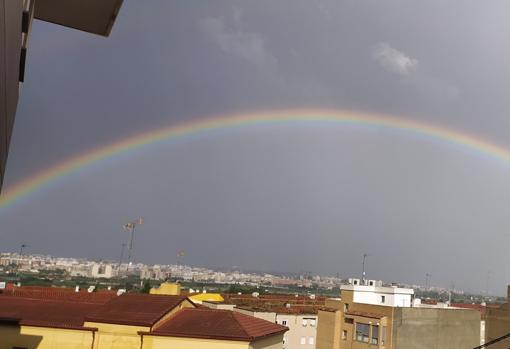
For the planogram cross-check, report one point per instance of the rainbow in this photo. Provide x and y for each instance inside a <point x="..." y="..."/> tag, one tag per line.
<point x="74" y="164"/>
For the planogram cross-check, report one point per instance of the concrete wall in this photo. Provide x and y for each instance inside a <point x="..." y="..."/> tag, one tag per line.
<point x="419" y="328"/>
<point x="497" y="324"/>
<point x="10" y="48"/>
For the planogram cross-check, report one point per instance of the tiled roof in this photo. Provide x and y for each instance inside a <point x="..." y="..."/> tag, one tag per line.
<point x="61" y="294"/>
<point x="48" y="313"/>
<point x="135" y="309"/>
<point x="279" y="309"/>
<point x="217" y="324"/>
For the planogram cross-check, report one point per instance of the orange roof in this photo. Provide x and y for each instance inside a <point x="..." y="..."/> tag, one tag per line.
<point x="135" y="309"/>
<point x="60" y="293"/>
<point x="217" y="324"/>
<point x="47" y="313"/>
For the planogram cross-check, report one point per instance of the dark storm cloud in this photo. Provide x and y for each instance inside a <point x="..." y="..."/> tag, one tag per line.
<point x="288" y="198"/>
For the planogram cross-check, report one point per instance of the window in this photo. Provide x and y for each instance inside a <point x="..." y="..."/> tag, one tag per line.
<point x="313" y="322"/>
<point x="362" y="331"/>
<point x="303" y="340"/>
<point x="344" y="335"/>
<point x="305" y="322"/>
<point x="375" y="335"/>
<point x="311" y="340"/>
<point x="383" y="335"/>
<point x="284" y="322"/>
<point x="349" y="320"/>
<point x="383" y="299"/>
<point x="346" y="307"/>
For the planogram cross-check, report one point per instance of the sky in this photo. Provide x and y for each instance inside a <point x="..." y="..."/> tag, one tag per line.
<point x="287" y="197"/>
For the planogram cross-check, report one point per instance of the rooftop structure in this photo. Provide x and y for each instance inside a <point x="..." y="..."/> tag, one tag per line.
<point x="392" y="296"/>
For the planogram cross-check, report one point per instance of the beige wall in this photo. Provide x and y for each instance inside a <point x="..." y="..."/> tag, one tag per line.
<point x="44" y="338"/>
<point x="497" y="324"/>
<point x="328" y="330"/>
<point x="160" y="342"/>
<point x="273" y="342"/>
<point x="297" y="330"/>
<point x="110" y="336"/>
<point x="416" y="328"/>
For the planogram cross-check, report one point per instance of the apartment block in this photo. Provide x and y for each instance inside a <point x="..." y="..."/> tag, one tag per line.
<point x="372" y="316"/>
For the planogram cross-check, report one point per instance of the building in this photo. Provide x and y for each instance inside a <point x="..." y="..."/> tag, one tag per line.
<point x="298" y="313"/>
<point x="94" y="16"/>
<point x="497" y="323"/>
<point x="103" y="270"/>
<point x="45" y="320"/>
<point x="373" y="316"/>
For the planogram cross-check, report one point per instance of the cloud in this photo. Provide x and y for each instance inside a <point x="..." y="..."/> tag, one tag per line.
<point x="393" y="60"/>
<point x="248" y="45"/>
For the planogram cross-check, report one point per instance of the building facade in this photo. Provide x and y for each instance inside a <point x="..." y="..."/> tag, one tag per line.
<point x="387" y="320"/>
<point x="94" y="16"/>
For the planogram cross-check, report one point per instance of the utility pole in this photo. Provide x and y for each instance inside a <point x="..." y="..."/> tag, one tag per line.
<point x="363" y="274"/>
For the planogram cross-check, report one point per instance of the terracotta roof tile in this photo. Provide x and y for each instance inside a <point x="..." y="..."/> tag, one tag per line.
<point x="135" y="309"/>
<point x="217" y="324"/>
<point x="61" y="294"/>
<point x="49" y="313"/>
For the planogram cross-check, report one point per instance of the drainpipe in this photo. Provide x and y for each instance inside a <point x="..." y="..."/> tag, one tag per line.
<point x="93" y="339"/>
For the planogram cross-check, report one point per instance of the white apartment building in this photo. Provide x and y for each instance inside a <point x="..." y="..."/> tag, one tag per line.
<point x="372" y="292"/>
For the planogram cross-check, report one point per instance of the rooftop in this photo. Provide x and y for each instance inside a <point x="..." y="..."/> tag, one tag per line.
<point x="135" y="309"/>
<point x="217" y="324"/>
<point x="60" y="293"/>
<point x="48" y="313"/>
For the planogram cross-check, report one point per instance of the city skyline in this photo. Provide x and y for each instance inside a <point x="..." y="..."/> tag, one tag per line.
<point x="275" y="196"/>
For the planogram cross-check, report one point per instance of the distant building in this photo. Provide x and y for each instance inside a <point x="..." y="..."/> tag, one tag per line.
<point x="103" y="270"/>
<point x="94" y="16"/>
<point x="373" y="316"/>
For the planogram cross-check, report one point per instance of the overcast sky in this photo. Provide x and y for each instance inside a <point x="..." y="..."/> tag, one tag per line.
<point x="278" y="198"/>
